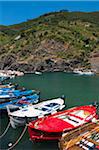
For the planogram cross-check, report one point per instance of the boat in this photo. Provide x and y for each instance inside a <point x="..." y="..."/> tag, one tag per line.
<point x="82" y="72"/>
<point x="7" y="90"/>
<point x="13" y="94"/>
<point x="32" y="112"/>
<point x="85" y="137"/>
<point x="10" y="73"/>
<point x="51" y="127"/>
<point x="88" y="73"/>
<point x="6" y="75"/>
<point x="7" y="86"/>
<point x="2" y="79"/>
<point x="38" y="73"/>
<point x="18" y="103"/>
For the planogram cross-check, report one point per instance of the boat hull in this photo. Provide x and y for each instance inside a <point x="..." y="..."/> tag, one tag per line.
<point x="43" y="136"/>
<point x="30" y="113"/>
<point x="16" y="103"/>
<point x="17" y="122"/>
<point x="52" y="127"/>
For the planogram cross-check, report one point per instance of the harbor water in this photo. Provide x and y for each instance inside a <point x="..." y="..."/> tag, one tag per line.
<point x="78" y="90"/>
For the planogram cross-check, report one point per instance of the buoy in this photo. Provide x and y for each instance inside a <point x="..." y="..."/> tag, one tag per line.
<point x="10" y="144"/>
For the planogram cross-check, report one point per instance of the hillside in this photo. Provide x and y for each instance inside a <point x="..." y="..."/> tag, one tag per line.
<point x="58" y="41"/>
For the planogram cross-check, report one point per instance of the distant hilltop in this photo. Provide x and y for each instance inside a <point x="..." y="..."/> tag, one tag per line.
<point x="58" y="41"/>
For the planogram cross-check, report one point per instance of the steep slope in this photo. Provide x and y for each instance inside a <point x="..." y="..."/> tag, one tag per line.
<point x="53" y="42"/>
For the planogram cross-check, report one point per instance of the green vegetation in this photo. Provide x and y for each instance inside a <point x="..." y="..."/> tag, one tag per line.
<point x="65" y="35"/>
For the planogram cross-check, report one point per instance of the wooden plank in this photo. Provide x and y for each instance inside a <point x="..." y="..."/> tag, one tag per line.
<point x="79" y="138"/>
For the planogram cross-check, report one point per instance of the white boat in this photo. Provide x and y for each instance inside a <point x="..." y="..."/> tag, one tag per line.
<point x="38" y="73"/>
<point x="80" y="72"/>
<point x="32" y="112"/>
<point x="7" y="75"/>
<point x="89" y="73"/>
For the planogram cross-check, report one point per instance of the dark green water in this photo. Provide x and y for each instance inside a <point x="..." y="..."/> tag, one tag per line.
<point x="79" y="90"/>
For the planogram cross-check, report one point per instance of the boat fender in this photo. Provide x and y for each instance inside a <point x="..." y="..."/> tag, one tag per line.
<point x="23" y="89"/>
<point x="10" y="144"/>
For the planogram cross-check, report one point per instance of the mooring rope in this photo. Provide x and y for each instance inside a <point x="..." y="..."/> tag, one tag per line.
<point x="18" y="139"/>
<point x="3" y="134"/>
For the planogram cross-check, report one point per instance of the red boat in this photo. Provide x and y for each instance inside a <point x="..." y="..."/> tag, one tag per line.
<point x="52" y="126"/>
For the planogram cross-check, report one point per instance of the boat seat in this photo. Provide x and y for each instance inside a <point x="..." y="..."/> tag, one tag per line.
<point x="86" y="145"/>
<point x="70" y="118"/>
<point x="81" y="113"/>
<point x="74" y="115"/>
<point x="85" y="148"/>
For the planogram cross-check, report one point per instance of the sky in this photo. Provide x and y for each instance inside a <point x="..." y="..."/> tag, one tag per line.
<point x="13" y="12"/>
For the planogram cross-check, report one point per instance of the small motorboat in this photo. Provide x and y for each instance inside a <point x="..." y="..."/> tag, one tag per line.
<point x="84" y="137"/>
<point x="18" y="103"/>
<point x="7" y="90"/>
<point x="38" y="73"/>
<point x="7" y="86"/>
<point x="6" y="75"/>
<point x="52" y="126"/>
<point x="82" y="72"/>
<point x="32" y="112"/>
<point x="15" y="94"/>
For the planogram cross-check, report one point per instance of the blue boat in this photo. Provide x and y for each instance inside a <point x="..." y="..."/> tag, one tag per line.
<point x="2" y="90"/>
<point x="15" y="94"/>
<point x="21" y="102"/>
